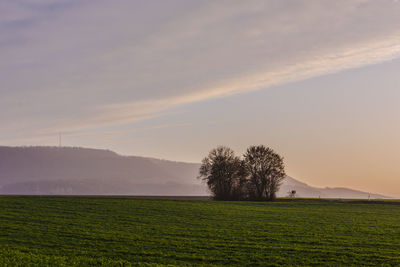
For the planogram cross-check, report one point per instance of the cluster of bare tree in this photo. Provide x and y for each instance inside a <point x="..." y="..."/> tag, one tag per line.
<point x="257" y="176"/>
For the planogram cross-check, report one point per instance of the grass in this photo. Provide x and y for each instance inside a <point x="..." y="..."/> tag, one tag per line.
<point x="68" y="231"/>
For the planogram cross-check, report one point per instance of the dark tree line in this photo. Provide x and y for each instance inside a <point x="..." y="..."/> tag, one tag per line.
<point x="255" y="177"/>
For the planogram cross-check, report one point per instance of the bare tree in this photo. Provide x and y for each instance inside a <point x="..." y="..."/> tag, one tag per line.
<point x="265" y="170"/>
<point x="224" y="174"/>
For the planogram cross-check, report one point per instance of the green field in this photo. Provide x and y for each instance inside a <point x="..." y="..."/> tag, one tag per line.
<point x="123" y="231"/>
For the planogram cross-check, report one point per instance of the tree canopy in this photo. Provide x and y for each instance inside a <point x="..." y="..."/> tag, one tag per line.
<point x="255" y="177"/>
<point x="222" y="171"/>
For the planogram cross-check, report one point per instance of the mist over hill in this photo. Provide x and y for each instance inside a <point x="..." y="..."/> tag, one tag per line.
<point x="83" y="171"/>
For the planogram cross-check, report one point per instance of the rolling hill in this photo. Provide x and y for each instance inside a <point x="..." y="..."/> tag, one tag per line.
<point x="84" y="171"/>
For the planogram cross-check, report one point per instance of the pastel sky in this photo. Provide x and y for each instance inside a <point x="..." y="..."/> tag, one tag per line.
<point x="316" y="80"/>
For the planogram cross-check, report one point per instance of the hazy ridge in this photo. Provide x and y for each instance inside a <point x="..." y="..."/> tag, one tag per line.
<point x="84" y="171"/>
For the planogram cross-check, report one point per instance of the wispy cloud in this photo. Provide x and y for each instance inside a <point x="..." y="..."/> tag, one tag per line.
<point x="86" y="65"/>
<point x="339" y="59"/>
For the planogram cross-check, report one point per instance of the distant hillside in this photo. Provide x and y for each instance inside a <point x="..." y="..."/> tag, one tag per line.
<point x="83" y="171"/>
<point x="53" y="170"/>
<point x="304" y="190"/>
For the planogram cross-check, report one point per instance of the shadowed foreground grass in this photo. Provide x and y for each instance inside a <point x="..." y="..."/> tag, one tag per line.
<point x="122" y="231"/>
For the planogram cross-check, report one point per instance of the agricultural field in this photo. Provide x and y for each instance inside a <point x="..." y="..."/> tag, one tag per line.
<point x="68" y="231"/>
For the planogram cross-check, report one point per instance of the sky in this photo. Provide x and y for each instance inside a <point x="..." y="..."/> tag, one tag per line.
<point x="316" y="80"/>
